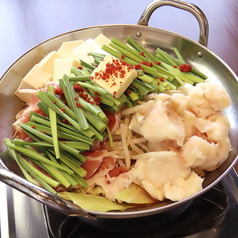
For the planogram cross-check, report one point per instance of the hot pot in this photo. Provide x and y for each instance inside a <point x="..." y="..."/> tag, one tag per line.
<point x="193" y="52"/>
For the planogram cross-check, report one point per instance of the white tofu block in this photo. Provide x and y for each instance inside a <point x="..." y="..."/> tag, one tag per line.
<point x="47" y="62"/>
<point x="35" y="79"/>
<point x="66" y="49"/>
<point x="114" y="83"/>
<point x="26" y="95"/>
<point x="62" y="67"/>
<point x="87" y="46"/>
<point x="102" y="40"/>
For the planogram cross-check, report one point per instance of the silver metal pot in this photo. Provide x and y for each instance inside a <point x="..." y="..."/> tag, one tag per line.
<point x="195" y="53"/>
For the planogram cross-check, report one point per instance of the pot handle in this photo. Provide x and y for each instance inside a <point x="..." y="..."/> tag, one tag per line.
<point x="196" y="11"/>
<point x="49" y="199"/>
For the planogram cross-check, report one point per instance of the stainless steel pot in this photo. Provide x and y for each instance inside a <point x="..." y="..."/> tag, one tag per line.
<point x="195" y="53"/>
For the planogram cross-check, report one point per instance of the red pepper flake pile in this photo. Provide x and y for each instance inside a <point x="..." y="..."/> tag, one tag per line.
<point x="115" y="75"/>
<point x="158" y="63"/>
<point x="185" y="67"/>
<point x="83" y="94"/>
<point x="150" y="64"/>
<point x="59" y="92"/>
<point x="113" y="69"/>
<point x="78" y="104"/>
<point x="78" y="88"/>
<point x="65" y="121"/>
<point x="138" y="66"/>
<point x="97" y="100"/>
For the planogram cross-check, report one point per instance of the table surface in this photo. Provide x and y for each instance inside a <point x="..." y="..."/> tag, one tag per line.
<point x="24" y="24"/>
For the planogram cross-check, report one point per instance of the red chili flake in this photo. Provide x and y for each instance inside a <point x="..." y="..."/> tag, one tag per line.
<point x="97" y="99"/>
<point x="158" y="63"/>
<point x="122" y="56"/>
<point x="161" y="79"/>
<point x="59" y="91"/>
<point x="78" y="88"/>
<point x="80" y="94"/>
<point x="91" y="77"/>
<point x="150" y="64"/>
<point x="54" y="102"/>
<point x="185" y="68"/>
<point x="62" y="109"/>
<point x="138" y="66"/>
<point x="175" y="66"/>
<point x="128" y="91"/>
<point x="96" y="93"/>
<point x="142" y="53"/>
<point x="124" y="62"/>
<point x="113" y="84"/>
<point x="85" y="95"/>
<point x="65" y="121"/>
<point x="33" y="127"/>
<point x="80" y="67"/>
<point x="76" y="98"/>
<point x="113" y="69"/>
<point x="43" y="132"/>
<point x="78" y="104"/>
<point x="87" y="99"/>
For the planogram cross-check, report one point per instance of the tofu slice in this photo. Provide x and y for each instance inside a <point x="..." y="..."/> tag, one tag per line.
<point x="47" y="62"/>
<point x="35" y="79"/>
<point x="113" y="83"/>
<point x="66" y="49"/>
<point x="88" y="46"/>
<point x="102" y="40"/>
<point x="62" y="67"/>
